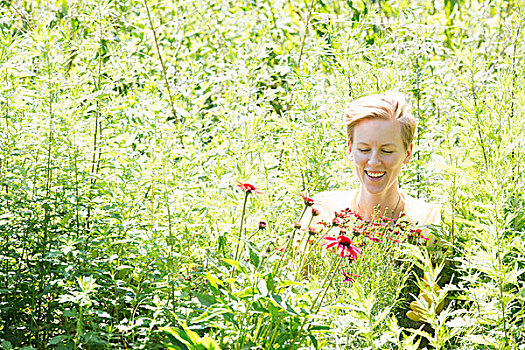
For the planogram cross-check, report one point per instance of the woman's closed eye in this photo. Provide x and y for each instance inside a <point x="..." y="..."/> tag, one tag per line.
<point x="365" y="150"/>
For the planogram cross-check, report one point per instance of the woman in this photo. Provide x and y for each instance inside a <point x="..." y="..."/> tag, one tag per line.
<point x="380" y="131"/>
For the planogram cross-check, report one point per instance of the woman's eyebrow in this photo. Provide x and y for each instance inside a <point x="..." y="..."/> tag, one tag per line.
<point x="362" y="143"/>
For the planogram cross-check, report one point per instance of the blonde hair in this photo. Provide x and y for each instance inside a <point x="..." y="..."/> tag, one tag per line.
<point x="388" y="105"/>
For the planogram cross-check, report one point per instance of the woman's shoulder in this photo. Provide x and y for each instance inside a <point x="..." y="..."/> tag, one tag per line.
<point x="421" y="212"/>
<point x="330" y="202"/>
<point x="327" y="203"/>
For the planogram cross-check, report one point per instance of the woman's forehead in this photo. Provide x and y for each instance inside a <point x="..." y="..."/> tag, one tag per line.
<point x="385" y="132"/>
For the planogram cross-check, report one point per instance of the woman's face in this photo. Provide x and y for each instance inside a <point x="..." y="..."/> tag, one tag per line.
<point x="378" y="154"/>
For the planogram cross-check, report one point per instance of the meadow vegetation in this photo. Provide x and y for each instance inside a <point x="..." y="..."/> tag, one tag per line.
<point x="125" y="125"/>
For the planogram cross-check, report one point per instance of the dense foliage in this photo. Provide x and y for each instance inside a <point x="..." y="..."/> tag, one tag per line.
<point x="124" y="125"/>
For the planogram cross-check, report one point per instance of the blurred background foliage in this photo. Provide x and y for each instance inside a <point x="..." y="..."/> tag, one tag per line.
<point x="125" y="123"/>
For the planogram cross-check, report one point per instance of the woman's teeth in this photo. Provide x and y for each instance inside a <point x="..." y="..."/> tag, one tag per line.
<point x="375" y="173"/>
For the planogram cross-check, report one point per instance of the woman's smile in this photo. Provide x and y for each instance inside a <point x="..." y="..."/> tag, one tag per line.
<point x="375" y="175"/>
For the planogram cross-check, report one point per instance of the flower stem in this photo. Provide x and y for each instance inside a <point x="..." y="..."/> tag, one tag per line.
<point x="305" y="246"/>
<point x="242" y="224"/>
<point x="330" y="277"/>
<point x="170" y="98"/>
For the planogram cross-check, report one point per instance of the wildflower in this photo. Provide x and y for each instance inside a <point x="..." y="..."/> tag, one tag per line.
<point x="344" y="246"/>
<point x="393" y="239"/>
<point x="262" y="225"/>
<point x="349" y="277"/>
<point x="375" y="239"/>
<point x="296" y="225"/>
<point x="307" y="200"/>
<point x="312" y="231"/>
<point x="248" y="188"/>
<point x="315" y="212"/>
<point x="358" y="230"/>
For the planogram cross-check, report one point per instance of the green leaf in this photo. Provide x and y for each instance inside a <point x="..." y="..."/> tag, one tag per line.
<point x="254" y="255"/>
<point x="209" y="343"/>
<point x="205" y="299"/>
<point x="263" y="288"/>
<point x="246" y="292"/>
<point x="288" y="283"/>
<point x="58" y="339"/>
<point x="214" y="281"/>
<point x="6" y="345"/>
<point x="185" y="336"/>
<point x="235" y="264"/>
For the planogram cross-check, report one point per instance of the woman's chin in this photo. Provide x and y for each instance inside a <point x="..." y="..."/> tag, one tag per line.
<point x="374" y="188"/>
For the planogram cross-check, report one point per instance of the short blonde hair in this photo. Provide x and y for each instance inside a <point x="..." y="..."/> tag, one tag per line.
<point x="388" y="105"/>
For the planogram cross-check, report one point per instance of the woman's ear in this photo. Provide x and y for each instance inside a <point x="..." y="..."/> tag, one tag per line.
<point x="349" y="151"/>
<point x="410" y="151"/>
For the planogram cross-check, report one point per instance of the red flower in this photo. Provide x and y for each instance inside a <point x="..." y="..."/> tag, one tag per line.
<point x="307" y="200"/>
<point x="248" y="188"/>
<point x="344" y="246"/>
<point x="349" y="277"/>
<point x="312" y="231"/>
<point x="262" y="225"/>
<point x="336" y="221"/>
<point x="375" y="239"/>
<point x="315" y="212"/>
<point x="393" y="239"/>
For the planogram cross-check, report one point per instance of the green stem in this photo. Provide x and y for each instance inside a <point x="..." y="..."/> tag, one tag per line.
<point x="242" y="224"/>
<point x="302" y="238"/>
<point x="298" y="67"/>
<point x="290" y="241"/>
<point x="326" y="285"/>
<point x="274" y="332"/>
<point x="161" y="63"/>
<point x="331" y="275"/>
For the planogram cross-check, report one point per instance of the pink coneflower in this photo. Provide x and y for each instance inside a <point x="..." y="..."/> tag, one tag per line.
<point x="248" y="188"/>
<point x="307" y="200"/>
<point x="262" y="225"/>
<point x="344" y="246"/>
<point x="296" y="225"/>
<point x="312" y="231"/>
<point x="393" y="239"/>
<point x="375" y="239"/>
<point x="349" y="277"/>
<point x="315" y="212"/>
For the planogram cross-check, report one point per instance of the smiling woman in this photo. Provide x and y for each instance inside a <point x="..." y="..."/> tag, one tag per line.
<point x="380" y="130"/>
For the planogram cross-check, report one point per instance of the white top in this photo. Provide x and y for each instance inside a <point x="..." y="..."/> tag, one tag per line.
<point x="417" y="210"/>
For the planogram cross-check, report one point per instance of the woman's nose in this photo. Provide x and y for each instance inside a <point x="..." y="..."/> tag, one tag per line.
<point x="374" y="159"/>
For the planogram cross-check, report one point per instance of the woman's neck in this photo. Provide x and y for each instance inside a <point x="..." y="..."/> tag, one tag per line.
<point x="390" y="204"/>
